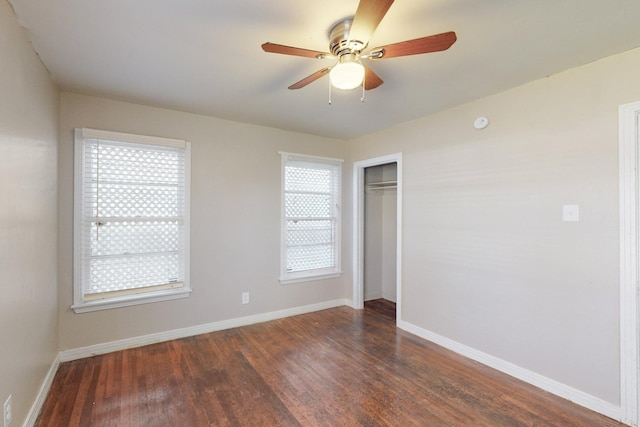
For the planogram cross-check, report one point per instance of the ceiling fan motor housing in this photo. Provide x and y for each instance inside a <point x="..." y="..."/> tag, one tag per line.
<point x="339" y="42"/>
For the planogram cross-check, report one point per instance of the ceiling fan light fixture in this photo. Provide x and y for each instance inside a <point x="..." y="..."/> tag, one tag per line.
<point x="348" y="40"/>
<point x="347" y="75"/>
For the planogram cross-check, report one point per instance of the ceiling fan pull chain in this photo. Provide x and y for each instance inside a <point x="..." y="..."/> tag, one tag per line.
<point x="329" y="92"/>
<point x="363" y="99"/>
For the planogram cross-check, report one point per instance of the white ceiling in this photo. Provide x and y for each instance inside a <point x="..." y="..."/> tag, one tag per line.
<point x="204" y="56"/>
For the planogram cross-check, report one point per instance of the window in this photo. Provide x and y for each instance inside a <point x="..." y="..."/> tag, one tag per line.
<point x="131" y="219"/>
<point x="311" y="199"/>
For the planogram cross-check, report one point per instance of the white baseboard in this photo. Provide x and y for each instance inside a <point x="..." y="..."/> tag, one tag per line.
<point x="374" y="295"/>
<point x="559" y="389"/>
<point x="390" y="296"/>
<point x="349" y="303"/>
<point x="93" y="350"/>
<point x="34" y="411"/>
<point x="547" y="384"/>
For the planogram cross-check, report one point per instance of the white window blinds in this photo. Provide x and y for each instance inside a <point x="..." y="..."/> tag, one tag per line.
<point x="133" y="215"/>
<point x="311" y="216"/>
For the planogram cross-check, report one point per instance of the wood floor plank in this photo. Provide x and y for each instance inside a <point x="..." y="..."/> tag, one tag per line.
<point x="337" y="367"/>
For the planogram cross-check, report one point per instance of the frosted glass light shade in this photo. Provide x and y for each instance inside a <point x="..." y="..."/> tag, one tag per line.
<point x="347" y="75"/>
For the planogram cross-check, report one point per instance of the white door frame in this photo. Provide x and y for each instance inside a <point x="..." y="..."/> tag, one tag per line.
<point x="629" y="151"/>
<point x="358" y="229"/>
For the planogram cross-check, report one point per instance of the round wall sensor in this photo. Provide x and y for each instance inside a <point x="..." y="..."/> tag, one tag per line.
<point x="481" y="123"/>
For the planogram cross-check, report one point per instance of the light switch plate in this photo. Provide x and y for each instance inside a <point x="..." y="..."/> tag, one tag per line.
<point x="571" y="213"/>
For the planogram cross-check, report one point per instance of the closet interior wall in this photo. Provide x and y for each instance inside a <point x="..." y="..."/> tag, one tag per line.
<point x="380" y="219"/>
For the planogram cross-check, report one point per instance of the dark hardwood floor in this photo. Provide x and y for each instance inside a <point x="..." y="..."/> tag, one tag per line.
<point x="382" y="307"/>
<point x="337" y="367"/>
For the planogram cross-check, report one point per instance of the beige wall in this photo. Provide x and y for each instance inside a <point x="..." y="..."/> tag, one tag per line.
<point x="487" y="261"/>
<point x="235" y="221"/>
<point x="28" y="150"/>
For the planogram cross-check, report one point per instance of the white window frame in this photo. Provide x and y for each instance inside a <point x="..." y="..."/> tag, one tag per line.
<point x="287" y="277"/>
<point x="139" y="296"/>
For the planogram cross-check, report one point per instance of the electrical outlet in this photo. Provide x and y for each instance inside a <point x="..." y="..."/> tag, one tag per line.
<point x="7" y="411"/>
<point x="245" y="297"/>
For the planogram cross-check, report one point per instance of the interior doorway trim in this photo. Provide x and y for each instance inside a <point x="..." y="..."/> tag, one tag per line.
<point x="358" y="229"/>
<point x="629" y="151"/>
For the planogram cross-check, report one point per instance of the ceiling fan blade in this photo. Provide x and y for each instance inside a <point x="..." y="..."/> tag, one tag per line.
<point x="435" y="43"/>
<point x="367" y="18"/>
<point x="371" y="79"/>
<point x="310" y="79"/>
<point x="289" y="50"/>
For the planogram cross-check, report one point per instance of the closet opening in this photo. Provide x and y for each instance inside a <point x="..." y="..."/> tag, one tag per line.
<point x="377" y="236"/>
<point x="380" y="234"/>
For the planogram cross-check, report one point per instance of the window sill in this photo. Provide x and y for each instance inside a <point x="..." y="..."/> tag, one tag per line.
<point x="309" y="278"/>
<point x="129" y="300"/>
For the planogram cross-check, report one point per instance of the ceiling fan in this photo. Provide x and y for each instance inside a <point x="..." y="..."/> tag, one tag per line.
<point x="347" y="41"/>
